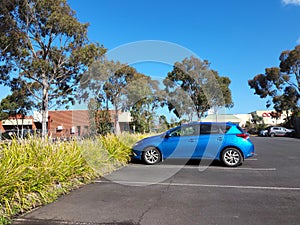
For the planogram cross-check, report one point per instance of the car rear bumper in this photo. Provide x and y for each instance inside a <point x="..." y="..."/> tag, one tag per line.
<point x="250" y="152"/>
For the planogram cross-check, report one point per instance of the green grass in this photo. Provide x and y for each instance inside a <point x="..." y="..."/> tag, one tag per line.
<point x="34" y="172"/>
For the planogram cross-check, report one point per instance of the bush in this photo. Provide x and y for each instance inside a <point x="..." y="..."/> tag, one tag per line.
<point x="35" y="172"/>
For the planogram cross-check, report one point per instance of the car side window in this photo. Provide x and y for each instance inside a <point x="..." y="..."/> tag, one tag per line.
<point x="205" y="129"/>
<point x="213" y="129"/>
<point x="192" y="130"/>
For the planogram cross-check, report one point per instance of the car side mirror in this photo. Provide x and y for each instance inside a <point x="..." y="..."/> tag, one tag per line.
<point x="167" y="135"/>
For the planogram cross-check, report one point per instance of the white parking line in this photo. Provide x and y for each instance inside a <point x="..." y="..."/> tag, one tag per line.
<point x="242" y="168"/>
<point x="201" y="167"/>
<point x="138" y="183"/>
<point x="41" y="221"/>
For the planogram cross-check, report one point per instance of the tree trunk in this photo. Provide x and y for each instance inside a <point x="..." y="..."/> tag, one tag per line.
<point x="45" y="107"/>
<point x="116" y="122"/>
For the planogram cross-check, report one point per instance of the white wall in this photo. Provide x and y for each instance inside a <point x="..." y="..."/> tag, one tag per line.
<point x="269" y="120"/>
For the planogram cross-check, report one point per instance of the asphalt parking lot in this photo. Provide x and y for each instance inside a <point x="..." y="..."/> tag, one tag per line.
<point x="264" y="190"/>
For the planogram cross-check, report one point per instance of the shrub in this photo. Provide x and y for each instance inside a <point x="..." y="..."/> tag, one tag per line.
<point x="35" y="172"/>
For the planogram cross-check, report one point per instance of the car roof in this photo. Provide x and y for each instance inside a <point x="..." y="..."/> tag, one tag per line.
<point x="212" y="123"/>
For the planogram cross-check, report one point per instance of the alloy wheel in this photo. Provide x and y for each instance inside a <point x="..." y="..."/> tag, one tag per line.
<point x="232" y="157"/>
<point x="151" y="155"/>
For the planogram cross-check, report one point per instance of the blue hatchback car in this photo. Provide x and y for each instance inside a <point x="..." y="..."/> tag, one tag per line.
<point x="226" y="142"/>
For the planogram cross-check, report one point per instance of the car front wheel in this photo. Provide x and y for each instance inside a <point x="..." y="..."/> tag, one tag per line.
<point x="232" y="157"/>
<point x="151" y="156"/>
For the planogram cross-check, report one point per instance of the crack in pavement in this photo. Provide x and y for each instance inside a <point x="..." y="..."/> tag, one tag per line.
<point x="156" y="202"/>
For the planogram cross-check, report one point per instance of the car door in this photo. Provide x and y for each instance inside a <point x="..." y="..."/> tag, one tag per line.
<point x="282" y="131"/>
<point x="181" y="142"/>
<point x="210" y="140"/>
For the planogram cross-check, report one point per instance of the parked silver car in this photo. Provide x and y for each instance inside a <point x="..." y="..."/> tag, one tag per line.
<point x="280" y="131"/>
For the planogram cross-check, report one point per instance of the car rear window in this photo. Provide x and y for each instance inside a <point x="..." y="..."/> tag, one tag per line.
<point x="214" y="129"/>
<point x="240" y="129"/>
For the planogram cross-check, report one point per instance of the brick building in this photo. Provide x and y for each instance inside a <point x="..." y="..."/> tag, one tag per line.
<point x="75" y="123"/>
<point x="18" y="122"/>
<point x="68" y="123"/>
<point x="61" y="123"/>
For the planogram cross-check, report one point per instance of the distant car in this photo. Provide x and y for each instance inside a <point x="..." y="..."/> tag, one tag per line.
<point x="225" y="142"/>
<point x="263" y="133"/>
<point x="280" y="131"/>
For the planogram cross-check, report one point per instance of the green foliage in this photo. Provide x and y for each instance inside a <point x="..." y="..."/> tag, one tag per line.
<point x="256" y="124"/>
<point x="256" y="119"/>
<point x="99" y="118"/>
<point x="114" y="88"/>
<point x="35" y="172"/>
<point x="17" y="103"/>
<point x="281" y="84"/>
<point x="163" y="124"/>
<point x="142" y="99"/>
<point x="109" y="82"/>
<point x="106" y="82"/>
<point x="116" y="149"/>
<point x="193" y="87"/>
<point x="45" y="47"/>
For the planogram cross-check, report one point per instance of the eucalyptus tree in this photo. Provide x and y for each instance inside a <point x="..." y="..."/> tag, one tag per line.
<point x="193" y="87"/>
<point x="120" y="87"/>
<point x="280" y="85"/>
<point x="115" y="90"/>
<point x="92" y="92"/>
<point x="107" y="81"/>
<point x="43" y="45"/>
<point x="99" y="117"/>
<point x="143" y="99"/>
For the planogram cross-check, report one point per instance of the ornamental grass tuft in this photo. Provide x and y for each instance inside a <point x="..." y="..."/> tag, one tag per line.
<point x="35" y="172"/>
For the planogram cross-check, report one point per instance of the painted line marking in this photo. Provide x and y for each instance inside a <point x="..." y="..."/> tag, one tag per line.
<point x="47" y="221"/>
<point x="203" y="185"/>
<point x="200" y="167"/>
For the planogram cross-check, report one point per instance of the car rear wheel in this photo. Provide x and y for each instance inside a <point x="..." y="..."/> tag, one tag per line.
<point x="232" y="157"/>
<point x="272" y="135"/>
<point x="151" y="156"/>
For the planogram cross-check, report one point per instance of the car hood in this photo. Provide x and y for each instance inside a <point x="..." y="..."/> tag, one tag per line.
<point x="159" y="136"/>
<point x="152" y="139"/>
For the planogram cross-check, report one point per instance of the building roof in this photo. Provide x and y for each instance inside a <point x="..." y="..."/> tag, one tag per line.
<point x="222" y="118"/>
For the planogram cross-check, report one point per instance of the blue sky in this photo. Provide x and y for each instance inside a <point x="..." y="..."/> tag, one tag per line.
<point x="239" y="38"/>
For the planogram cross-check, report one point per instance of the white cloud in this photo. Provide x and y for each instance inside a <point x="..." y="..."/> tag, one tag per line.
<point x="294" y="2"/>
<point x="298" y="41"/>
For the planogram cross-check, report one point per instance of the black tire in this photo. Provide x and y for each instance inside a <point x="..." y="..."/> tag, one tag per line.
<point x="272" y="135"/>
<point x="151" y="155"/>
<point x="232" y="157"/>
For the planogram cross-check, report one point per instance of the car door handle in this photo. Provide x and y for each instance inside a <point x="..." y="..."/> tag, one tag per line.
<point x="191" y="140"/>
<point x="219" y="139"/>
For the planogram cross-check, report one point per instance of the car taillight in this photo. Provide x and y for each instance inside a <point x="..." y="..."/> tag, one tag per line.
<point x="245" y="136"/>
